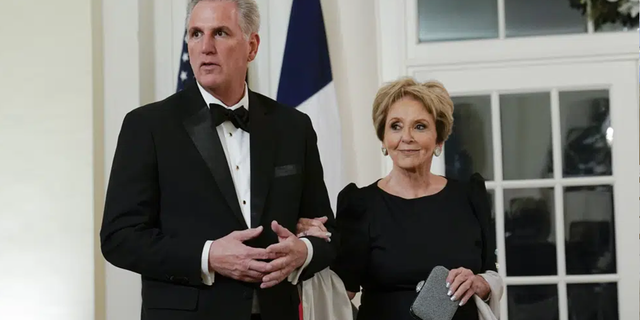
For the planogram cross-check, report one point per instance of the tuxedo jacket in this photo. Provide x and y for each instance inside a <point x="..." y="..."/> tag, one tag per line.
<point x="170" y="190"/>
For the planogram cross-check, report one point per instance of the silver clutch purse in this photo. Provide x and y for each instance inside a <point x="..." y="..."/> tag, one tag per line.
<point x="432" y="302"/>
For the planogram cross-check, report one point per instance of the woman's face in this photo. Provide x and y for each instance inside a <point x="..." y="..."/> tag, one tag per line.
<point x="410" y="134"/>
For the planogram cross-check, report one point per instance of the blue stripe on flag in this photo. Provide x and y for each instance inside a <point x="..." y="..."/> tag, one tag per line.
<point x="306" y="67"/>
<point x="185" y="74"/>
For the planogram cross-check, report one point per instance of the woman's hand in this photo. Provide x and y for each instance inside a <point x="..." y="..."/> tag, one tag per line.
<point x="313" y="227"/>
<point x="463" y="284"/>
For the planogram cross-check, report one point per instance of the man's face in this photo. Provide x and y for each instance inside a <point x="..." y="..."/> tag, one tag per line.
<point x="219" y="52"/>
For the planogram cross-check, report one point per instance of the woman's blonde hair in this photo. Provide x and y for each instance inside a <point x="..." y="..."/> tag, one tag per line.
<point x="432" y="94"/>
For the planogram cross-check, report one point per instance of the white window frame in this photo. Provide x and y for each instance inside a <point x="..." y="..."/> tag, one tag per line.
<point x="463" y="83"/>
<point x="399" y="48"/>
<point x="501" y="49"/>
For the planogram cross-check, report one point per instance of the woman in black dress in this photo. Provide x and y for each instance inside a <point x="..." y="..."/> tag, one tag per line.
<point x="394" y="231"/>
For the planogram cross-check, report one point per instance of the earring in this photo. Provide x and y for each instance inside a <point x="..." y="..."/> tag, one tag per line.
<point x="437" y="151"/>
<point x="384" y="151"/>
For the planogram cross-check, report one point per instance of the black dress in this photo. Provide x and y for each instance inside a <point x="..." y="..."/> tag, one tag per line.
<point x="389" y="244"/>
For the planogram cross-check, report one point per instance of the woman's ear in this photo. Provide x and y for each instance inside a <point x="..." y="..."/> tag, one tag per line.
<point x="438" y="150"/>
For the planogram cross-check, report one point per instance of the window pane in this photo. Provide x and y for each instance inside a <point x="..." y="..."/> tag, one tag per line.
<point x="529" y="232"/>
<point x="589" y="230"/>
<point x="469" y="149"/>
<point x="441" y="20"/>
<point x="526" y="136"/>
<point x="533" y="302"/>
<point x="614" y="16"/>
<point x="593" y="301"/>
<point x="612" y="27"/>
<point x="542" y="17"/>
<point x="586" y="133"/>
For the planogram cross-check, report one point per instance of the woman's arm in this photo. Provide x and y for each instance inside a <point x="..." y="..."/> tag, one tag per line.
<point x="352" y="256"/>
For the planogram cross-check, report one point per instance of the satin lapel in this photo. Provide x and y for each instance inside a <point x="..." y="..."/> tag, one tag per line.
<point x="262" y="155"/>
<point x="200" y="128"/>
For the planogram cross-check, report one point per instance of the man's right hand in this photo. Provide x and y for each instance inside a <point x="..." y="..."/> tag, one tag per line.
<point x="230" y="257"/>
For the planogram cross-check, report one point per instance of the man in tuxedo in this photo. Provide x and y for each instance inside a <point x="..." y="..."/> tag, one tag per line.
<point x="207" y="186"/>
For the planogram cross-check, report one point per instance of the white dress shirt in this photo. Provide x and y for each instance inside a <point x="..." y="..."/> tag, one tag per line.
<point x="236" y="146"/>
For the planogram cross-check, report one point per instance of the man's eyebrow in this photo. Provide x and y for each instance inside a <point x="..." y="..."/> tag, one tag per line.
<point x="222" y="28"/>
<point x="214" y="29"/>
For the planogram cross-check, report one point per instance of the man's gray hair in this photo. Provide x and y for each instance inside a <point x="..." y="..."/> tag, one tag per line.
<point x="249" y="14"/>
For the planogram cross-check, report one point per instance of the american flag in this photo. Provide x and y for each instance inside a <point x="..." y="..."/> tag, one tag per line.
<point x="185" y="73"/>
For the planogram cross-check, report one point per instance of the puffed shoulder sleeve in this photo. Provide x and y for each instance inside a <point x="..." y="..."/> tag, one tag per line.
<point x="479" y="198"/>
<point x="353" y="227"/>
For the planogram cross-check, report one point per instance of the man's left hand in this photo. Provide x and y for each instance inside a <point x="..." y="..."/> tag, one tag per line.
<point x="291" y="251"/>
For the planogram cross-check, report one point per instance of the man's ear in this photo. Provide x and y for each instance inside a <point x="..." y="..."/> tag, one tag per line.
<point x="254" y="43"/>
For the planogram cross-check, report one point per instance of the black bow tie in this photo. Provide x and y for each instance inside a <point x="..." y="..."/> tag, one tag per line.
<point x="239" y="117"/>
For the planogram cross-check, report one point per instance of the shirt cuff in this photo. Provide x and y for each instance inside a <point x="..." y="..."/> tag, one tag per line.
<point x="207" y="276"/>
<point x="295" y="275"/>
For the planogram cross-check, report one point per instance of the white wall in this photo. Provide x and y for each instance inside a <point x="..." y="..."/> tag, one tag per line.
<point x="123" y="45"/>
<point x="47" y="160"/>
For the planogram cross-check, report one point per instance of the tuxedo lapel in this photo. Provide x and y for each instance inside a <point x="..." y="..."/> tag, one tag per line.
<point x="263" y="146"/>
<point x="199" y="125"/>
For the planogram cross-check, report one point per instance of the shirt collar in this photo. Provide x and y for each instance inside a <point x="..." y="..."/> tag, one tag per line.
<point x="209" y="98"/>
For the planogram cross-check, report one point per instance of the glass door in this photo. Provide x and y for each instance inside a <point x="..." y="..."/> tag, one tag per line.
<point x="556" y="144"/>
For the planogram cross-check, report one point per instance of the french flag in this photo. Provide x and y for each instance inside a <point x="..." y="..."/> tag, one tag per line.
<point x="306" y="83"/>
